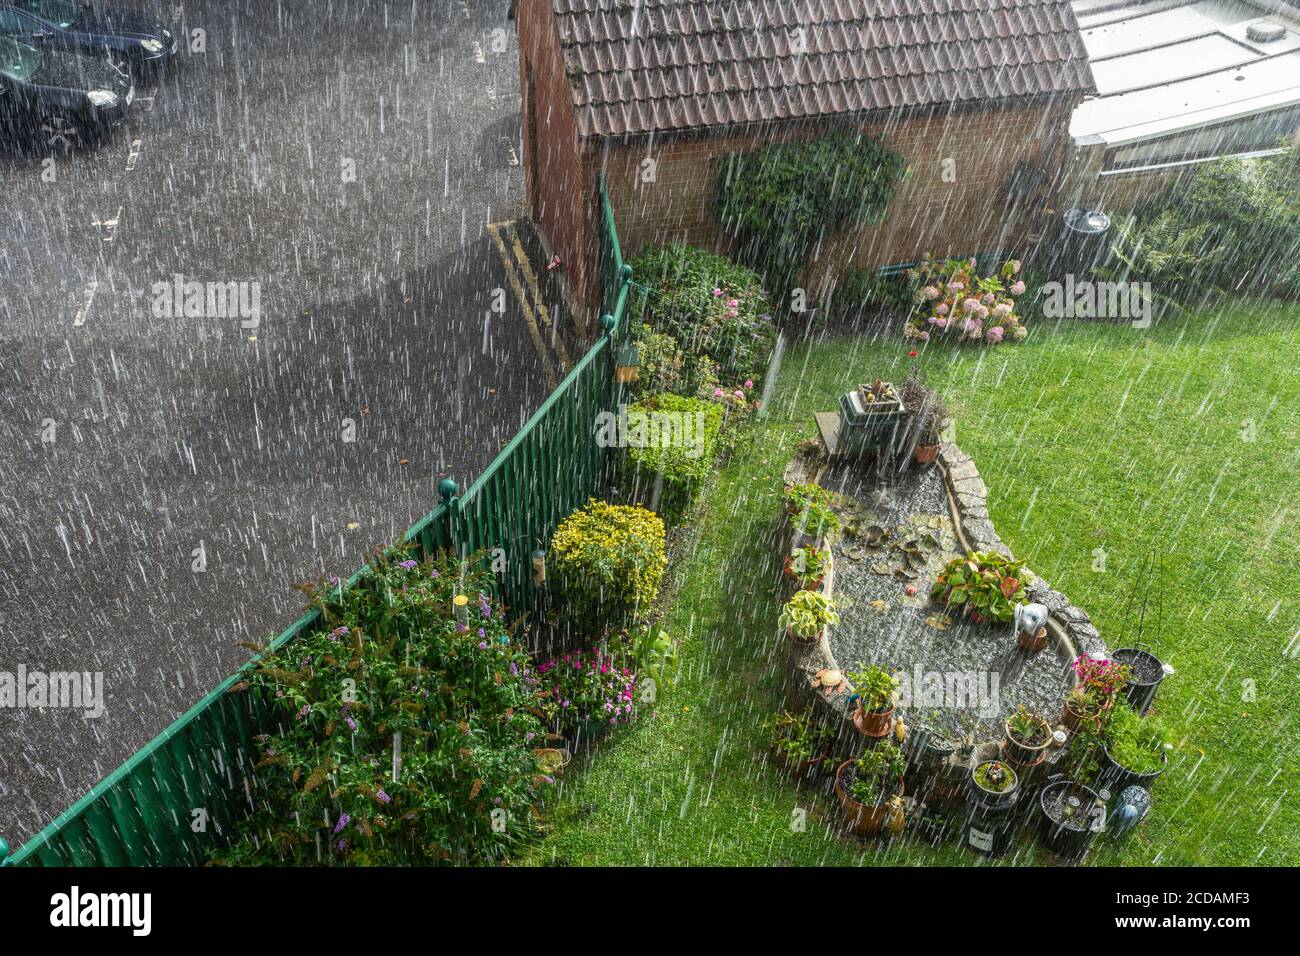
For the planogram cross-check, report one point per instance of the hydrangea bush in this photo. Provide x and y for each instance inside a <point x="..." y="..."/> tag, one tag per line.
<point x="957" y="302"/>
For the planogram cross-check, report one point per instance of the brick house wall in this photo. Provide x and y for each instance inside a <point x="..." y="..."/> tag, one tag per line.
<point x="560" y="186"/>
<point x="928" y="214"/>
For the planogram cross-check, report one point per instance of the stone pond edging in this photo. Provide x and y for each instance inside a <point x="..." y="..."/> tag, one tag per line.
<point x="1069" y="626"/>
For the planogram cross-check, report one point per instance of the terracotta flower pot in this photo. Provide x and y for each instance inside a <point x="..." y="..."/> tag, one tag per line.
<point x="926" y="454"/>
<point x="1071" y="719"/>
<point x="1032" y="643"/>
<point x="801" y="640"/>
<point x="1022" y="755"/>
<point x="877" y="724"/>
<point x="862" y="819"/>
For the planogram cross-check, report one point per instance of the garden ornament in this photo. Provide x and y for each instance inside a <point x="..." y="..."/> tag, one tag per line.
<point x="1029" y="618"/>
<point x="897" y="816"/>
<point x="1134" y="802"/>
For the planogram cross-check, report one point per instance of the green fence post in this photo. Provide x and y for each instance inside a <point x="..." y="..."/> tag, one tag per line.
<point x="449" y="493"/>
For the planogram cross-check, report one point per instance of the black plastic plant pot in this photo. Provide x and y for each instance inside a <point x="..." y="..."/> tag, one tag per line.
<point x="989" y="830"/>
<point x="1117" y="777"/>
<point x="1148" y="672"/>
<point x="1064" y="836"/>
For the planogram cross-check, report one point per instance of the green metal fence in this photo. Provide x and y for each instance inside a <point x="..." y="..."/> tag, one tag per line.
<point x="186" y="789"/>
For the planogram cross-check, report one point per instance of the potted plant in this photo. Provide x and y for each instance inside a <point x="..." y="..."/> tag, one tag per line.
<point x="985" y="585"/>
<point x="875" y="687"/>
<point x="990" y="810"/>
<point x="866" y="787"/>
<point x="1099" y="681"/>
<point x="808" y="566"/>
<point x="814" y="524"/>
<point x="1070" y="812"/>
<point x="799" y="497"/>
<point x="870" y="415"/>
<point x="1027" y="738"/>
<point x="1146" y="672"/>
<point x="1070" y="815"/>
<point x="806" y="615"/>
<point x="994" y="784"/>
<point x="1134" y="750"/>
<point x="928" y="415"/>
<point x="800" y="742"/>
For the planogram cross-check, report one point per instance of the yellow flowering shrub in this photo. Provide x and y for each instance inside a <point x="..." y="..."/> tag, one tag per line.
<point x="608" y="563"/>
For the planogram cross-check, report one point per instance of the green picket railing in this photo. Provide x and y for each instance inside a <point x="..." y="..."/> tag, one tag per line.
<point x="184" y="791"/>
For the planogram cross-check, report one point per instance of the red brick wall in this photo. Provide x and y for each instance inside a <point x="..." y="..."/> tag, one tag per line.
<point x="927" y="214"/>
<point x="560" y="186"/>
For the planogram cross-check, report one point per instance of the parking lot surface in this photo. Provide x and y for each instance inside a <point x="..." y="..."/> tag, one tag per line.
<point x="166" y="476"/>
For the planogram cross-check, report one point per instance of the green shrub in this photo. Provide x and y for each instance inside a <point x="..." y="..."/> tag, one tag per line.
<point x="679" y="441"/>
<point x="1137" y="744"/>
<point x="780" y="201"/>
<point x="710" y="305"/>
<point x="1233" y="227"/>
<point x="877" y="772"/>
<point x="608" y="564"/>
<point x="393" y="659"/>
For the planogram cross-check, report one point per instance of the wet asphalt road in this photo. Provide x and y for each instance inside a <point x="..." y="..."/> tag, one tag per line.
<point x="171" y="434"/>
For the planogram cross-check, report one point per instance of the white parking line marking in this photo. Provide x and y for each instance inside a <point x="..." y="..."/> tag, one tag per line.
<point x="133" y="157"/>
<point x="83" y="313"/>
<point x="108" y="226"/>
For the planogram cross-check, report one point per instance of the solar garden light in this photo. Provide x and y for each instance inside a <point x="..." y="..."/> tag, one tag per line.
<point x="627" y="366"/>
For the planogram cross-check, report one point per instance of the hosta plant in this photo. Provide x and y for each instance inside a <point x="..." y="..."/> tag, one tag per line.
<point x="807" y="614"/>
<point x="984" y="584"/>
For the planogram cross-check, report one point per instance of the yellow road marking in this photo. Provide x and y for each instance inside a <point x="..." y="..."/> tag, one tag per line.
<point x="531" y="278"/>
<point x="513" y="277"/>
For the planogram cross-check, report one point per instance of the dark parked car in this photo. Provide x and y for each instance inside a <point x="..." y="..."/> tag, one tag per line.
<point x="60" y="100"/>
<point x="129" y="38"/>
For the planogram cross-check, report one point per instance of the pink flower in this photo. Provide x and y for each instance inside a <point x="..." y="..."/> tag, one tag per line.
<point x="994" y="334"/>
<point x="940" y="323"/>
<point x="931" y="292"/>
<point x="1015" y="266"/>
<point x="717" y="293"/>
<point x="1018" y="288"/>
<point x="955" y="286"/>
<point x="971" y="305"/>
<point x="941" y="308"/>
<point x="1020" y="333"/>
<point x="749" y="383"/>
<point x="733" y="304"/>
<point x="717" y="393"/>
<point x="924" y="336"/>
<point x="987" y="298"/>
<point x="1003" y="309"/>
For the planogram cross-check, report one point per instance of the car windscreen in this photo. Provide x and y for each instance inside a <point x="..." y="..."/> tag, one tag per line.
<point x="18" y="61"/>
<point x="62" y="12"/>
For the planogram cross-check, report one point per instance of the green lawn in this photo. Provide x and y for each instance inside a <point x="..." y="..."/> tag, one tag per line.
<point x="1180" y="440"/>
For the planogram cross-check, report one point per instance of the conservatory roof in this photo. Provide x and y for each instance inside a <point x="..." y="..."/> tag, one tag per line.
<point x="1169" y="66"/>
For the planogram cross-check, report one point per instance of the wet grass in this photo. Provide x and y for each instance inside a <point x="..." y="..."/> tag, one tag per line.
<point x="1101" y="445"/>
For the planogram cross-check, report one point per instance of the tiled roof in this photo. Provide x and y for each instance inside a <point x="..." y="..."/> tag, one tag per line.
<point x="638" y="66"/>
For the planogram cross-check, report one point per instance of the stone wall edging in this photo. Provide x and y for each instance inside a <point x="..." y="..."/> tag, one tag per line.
<point x="969" y="495"/>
